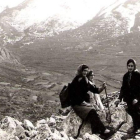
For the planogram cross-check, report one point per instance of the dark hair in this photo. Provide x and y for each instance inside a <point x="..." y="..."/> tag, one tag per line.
<point x="90" y="73"/>
<point x="81" y="68"/>
<point x="84" y="67"/>
<point x="132" y="61"/>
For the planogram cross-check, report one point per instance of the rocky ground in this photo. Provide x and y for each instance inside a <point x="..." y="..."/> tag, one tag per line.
<point x="64" y="127"/>
<point x="25" y="93"/>
<point x="30" y="108"/>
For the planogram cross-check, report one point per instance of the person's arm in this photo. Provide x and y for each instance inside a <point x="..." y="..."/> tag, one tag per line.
<point x="102" y="87"/>
<point x="86" y="104"/>
<point x="98" y="101"/>
<point x="122" y="90"/>
<point x="96" y="90"/>
<point x="136" y="88"/>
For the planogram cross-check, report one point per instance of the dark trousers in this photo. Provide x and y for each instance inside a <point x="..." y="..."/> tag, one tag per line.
<point x="134" y="112"/>
<point x="96" y="124"/>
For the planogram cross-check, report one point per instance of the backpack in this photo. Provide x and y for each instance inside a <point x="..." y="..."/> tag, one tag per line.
<point x="65" y="96"/>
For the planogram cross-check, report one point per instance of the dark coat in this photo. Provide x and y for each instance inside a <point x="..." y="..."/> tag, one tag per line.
<point x="79" y="90"/>
<point x="79" y="93"/>
<point x="130" y="90"/>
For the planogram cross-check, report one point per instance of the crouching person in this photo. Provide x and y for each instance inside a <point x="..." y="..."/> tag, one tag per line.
<point x="79" y="88"/>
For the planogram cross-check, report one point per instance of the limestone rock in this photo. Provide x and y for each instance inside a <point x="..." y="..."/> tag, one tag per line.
<point x="3" y="135"/>
<point x="65" y="127"/>
<point x="9" y="124"/>
<point x="51" y="122"/>
<point x="28" y="125"/>
<point x="72" y="123"/>
<point x="20" y="132"/>
<point x="87" y="136"/>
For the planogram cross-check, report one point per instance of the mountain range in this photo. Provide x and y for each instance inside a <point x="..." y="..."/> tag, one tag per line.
<point x="41" y="50"/>
<point x="59" y="43"/>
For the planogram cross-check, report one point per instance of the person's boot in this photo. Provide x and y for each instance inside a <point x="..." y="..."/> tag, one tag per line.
<point x="132" y="130"/>
<point x="107" y="134"/>
<point x="128" y="136"/>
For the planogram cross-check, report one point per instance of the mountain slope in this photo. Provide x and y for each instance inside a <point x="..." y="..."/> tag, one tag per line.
<point x="30" y="23"/>
<point x="116" y="20"/>
<point x="40" y="18"/>
<point x="104" y="43"/>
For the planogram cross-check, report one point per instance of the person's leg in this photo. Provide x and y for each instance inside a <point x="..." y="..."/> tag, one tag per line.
<point x="96" y="125"/>
<point x="137" y="115"/>
<point x="98" y="101"/>
<point x="135" y="118"/>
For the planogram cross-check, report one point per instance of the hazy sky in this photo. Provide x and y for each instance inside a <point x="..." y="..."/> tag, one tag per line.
<point x="76" y="10"/>
<point x="12" y="3"/>
<point x="97" y="4"/>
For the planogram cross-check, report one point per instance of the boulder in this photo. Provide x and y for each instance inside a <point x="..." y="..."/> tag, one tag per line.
<point x="51" y="122"/>
<point x="9" y="124"/>
<point x="71" y="124"/>
<point x="3" y="135"/>
<point x="65" y="127"/>
<point x="43" y="130"/>
<point x="87" y="136"/>
<point x="20" y="132"/>
<point x="28" y="125"/>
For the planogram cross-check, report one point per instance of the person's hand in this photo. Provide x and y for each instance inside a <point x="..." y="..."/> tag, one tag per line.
<point x="134" y="101"/>
<point x="89" y="105"/>
<point x="104" y="85"/>
<point x="86" y="104"/>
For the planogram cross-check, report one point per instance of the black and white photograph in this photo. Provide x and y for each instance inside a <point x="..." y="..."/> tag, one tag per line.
<point x="69" y="69"/>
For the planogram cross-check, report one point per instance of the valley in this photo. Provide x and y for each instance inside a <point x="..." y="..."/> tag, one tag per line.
<point x="38" y="58"/>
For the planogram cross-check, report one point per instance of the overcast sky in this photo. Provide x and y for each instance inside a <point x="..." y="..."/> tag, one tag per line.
<point x="12" y="3"/>
<point x="76" y="10"/>
<point x="97" y="4"/>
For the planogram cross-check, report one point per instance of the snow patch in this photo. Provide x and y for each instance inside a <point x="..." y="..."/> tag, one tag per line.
<point x="128" y="13"/>
<point x="109" y="9"/>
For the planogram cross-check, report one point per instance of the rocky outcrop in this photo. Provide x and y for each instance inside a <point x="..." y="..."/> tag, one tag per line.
<point x="58" y="127"/>
<point x="7" y="56"/>
<point x="65" y="127"/>
<point x="45" y="129"/>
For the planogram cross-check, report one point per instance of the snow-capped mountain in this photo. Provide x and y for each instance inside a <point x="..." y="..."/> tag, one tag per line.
<point x="42" y="18"/>
<point x="34" y="20"/>
<point x="60" y="43"/>
<point x="128" y="10"/>
<point x="118" y="19"/>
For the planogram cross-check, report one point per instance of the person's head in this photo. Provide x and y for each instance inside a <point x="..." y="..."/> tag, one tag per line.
<point x="90" y="75"/>
<point x="82" y="70"/>
<point x="131" y="65"/>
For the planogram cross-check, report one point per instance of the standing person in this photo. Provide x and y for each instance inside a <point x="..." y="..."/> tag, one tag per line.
<point x="130" y="93"/>
<point x="79" y="88"/>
